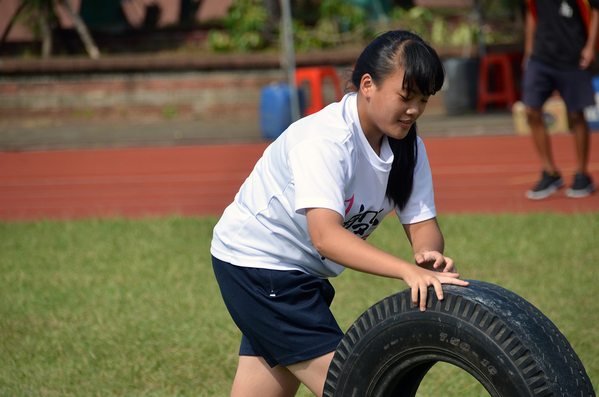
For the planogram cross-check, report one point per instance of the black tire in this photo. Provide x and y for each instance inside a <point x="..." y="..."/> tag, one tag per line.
<point x="499" y="338"/>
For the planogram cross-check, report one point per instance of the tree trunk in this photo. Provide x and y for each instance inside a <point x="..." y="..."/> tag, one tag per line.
<point x="84" y="34"/>
<point x="11" y="23"/>
<point x="46" y="30"/>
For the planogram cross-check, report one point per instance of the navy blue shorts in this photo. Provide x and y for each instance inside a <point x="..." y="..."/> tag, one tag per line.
<point x="284" y="316"/>
<point x="540" y="80"/>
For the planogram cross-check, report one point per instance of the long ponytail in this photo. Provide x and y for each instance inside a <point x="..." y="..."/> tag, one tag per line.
<point x="401" y="177"/>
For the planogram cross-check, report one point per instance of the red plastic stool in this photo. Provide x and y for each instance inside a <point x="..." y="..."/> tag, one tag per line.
<point x="504" y="82"/>
<point x="315" y="76"/>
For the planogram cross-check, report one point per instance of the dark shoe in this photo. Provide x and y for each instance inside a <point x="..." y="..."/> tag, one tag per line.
<point x="582" y="187"/>
<point x="548" y="185"/>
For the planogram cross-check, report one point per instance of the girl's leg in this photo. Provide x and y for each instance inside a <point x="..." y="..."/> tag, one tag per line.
<point x="255" y="378"/>
<point x="313" y="373"/>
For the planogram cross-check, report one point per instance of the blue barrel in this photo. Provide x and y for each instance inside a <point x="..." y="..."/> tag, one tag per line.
<point x="275" y="109"/>
<point x="591" y="113"/>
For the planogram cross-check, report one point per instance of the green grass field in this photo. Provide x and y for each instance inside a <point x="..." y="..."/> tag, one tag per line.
<point x="131" y="307"/>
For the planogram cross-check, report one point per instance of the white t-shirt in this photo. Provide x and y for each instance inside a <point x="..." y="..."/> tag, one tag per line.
<point x="320" y="161"/>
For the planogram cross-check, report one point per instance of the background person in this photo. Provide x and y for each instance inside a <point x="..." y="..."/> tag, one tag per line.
<point x="560" y="46"/>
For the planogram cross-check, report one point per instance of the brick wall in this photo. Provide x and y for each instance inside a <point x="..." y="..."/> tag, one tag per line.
<point x="207" y="93"/>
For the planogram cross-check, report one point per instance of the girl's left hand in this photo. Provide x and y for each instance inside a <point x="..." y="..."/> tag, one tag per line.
<point x="434" y="260"/>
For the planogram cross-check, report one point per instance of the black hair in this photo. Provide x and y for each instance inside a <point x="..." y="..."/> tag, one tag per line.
<point x="383" y="57"/>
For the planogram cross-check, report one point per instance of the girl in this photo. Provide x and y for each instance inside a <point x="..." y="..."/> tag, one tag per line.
<point x="305" y="211"/>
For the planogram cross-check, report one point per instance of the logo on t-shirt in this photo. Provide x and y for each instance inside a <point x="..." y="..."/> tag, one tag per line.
<point x="565" y="10"/>
<point x="348" y="204"/>
<point x="363" y="223"/>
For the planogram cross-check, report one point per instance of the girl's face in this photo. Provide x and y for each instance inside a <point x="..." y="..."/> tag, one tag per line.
<point x="389" y="109"/>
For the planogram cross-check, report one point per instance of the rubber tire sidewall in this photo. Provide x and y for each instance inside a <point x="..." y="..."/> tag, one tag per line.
<point x="429" y="336"/>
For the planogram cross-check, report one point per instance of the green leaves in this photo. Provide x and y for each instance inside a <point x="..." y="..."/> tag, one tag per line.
<point x="340" y="22"/>
<point x="245" y="23"/>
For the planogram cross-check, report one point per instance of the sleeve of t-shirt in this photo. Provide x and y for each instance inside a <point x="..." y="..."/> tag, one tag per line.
<point x="421" y="205"/>
<point x="320" y="172"/>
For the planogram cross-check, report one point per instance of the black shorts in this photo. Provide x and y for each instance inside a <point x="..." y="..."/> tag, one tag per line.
<point x="540" y="80"/>
<point x="284" y="316"/>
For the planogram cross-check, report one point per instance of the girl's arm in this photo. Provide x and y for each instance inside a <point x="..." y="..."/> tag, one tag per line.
<point x="428" y="245"/>
<point x="341" y="246"/>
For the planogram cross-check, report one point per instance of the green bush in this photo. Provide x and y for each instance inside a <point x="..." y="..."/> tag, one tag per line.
<point x="244" y="24"/>
<point x="341" y="22"/>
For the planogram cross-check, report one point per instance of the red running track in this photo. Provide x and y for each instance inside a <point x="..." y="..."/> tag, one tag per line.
<point x="471" y="175"/>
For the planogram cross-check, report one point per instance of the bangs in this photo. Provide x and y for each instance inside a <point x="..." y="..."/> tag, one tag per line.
<point x="423" y="69"/>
